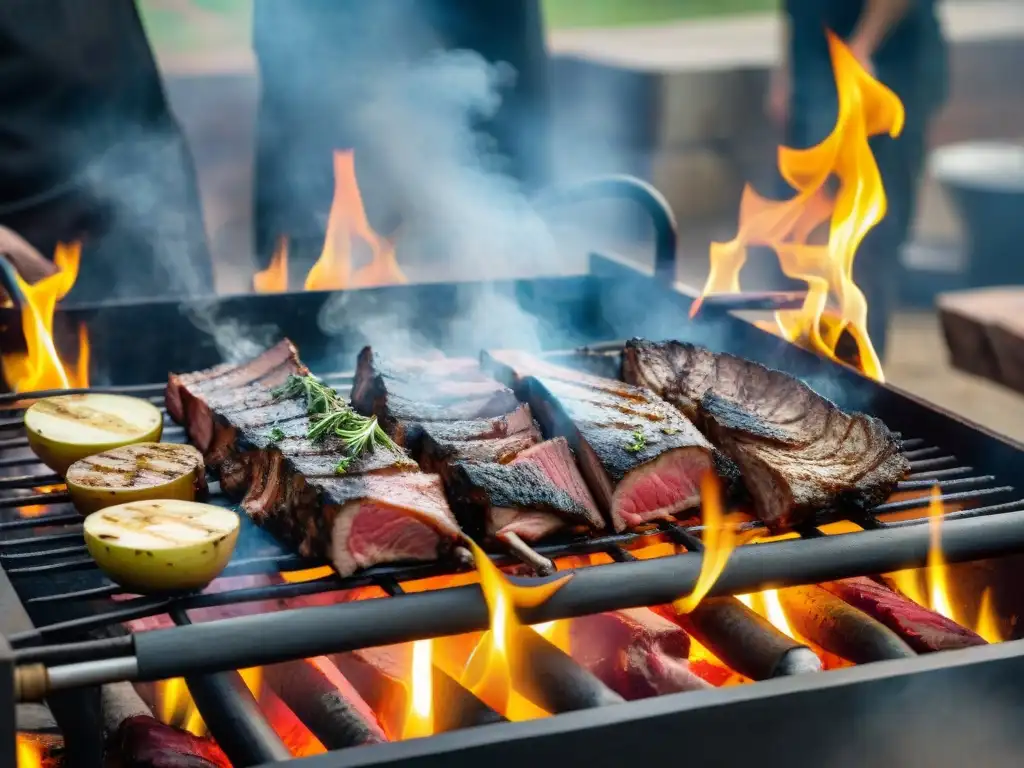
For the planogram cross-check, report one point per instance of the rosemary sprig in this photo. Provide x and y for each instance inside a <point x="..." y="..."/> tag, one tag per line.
<point x="329" y="415"/>
<point x="638" y="443"/>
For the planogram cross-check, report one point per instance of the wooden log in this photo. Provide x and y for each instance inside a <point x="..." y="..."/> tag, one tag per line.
<point x="135" y="738"/>
<point x="984" y="331"/>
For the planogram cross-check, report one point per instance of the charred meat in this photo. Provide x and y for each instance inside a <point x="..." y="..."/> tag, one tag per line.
<point x="358" y="511"/>
<point x="641" y="457"/>
<point x="464" y="425"/>
<point x="797" y="451"/>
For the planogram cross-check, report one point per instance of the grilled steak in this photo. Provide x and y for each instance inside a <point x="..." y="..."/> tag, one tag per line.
<point x="641" y="458"/>
<point x="464" y="425"/>
<point x="410" y="392"/>
<point x="187" y="394"/>
<point x="377" y="508"/>
<point x="798" y="452"/>
<point x="438" y="455"/>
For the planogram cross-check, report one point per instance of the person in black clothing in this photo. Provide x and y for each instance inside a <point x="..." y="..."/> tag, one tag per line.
<point x="901" y="43"/>
<point x="90" y="151"/>
<point x="320" y="62"/>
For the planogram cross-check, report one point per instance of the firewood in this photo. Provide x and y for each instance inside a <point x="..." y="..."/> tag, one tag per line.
<point x="984" y="330"/>
<point x="136" y="739"/>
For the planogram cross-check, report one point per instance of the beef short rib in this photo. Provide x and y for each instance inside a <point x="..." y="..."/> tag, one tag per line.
<point x="464" y="425"/>
<point x="374" y="509"/>
<point x="642" y="459"/>
<point x="797" y="451"/>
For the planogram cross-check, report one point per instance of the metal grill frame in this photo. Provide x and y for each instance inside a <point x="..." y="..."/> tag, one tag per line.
<point x="611" y="284"/>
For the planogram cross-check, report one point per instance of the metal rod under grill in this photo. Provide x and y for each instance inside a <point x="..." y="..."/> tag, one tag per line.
<point x="226" y="644"/>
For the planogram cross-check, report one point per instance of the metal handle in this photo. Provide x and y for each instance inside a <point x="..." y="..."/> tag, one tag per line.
<point x="9" y="281"/>
<point x="621" y="186"/>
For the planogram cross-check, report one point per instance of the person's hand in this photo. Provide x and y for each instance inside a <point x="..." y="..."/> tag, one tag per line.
<point x="779" y="94"/>
<point x="862" y="52"/>
<point x="29" y="263"/>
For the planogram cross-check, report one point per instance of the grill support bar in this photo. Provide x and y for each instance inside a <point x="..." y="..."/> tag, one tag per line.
<point x="300" y="633"/>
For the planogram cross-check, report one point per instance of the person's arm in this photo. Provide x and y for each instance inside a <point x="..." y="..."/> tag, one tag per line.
<point x="876" y="22"/>
<point x="779" y="84"/>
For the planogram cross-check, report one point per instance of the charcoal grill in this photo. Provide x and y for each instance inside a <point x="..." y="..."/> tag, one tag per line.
<point x="54" y="601"/>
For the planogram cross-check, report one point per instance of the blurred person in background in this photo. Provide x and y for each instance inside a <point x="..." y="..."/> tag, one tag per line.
<point x="901" y="43"/>
<point x="320" y="63"/>
<point x="89" y="150"/>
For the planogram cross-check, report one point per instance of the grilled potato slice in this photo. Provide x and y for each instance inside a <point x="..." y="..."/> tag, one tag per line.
<point x="61" y="430"/>
<point x="134" y="473"/>
<point x="162" y="545"/>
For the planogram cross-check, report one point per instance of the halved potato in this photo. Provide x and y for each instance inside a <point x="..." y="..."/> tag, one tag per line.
<point x="134" y="473"/>
<point x="61" y="430"/>
<point x="163" y="545"/>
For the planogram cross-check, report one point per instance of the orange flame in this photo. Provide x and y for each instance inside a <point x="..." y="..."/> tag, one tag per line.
<point x="488" y="673"/>
<point x="936" y="594"/>
<point x="174" y="704"/>
<point x="720" y="540"/>
<point x="834" y="303"/>
<point x="40" y="365"/>
<point x="346" y="221"/>
<point x="28" y="752"/>
<point x="274" y="279"/>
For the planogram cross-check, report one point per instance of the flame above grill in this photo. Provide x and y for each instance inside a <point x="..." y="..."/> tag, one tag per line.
<point x="834" y="305"/>
<point x="40" y="366"/>
<point x="347" y="225"/>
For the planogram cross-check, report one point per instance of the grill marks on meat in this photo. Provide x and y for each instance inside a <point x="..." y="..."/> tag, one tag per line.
<point x="797" y="451"/>
<point x="471" y="430"/>
<point x="381" y="509"/>
<point x="642" y="459"/>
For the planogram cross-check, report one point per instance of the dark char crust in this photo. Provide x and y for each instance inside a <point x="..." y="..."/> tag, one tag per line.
<point x="477" y="486"/>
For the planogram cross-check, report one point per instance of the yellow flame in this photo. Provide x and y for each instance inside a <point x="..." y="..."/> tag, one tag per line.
<point x="937" y="586"/>
<point x="176" y="707"/>
<point x="488" y="673"/>
<point x="40" y="365"/>
<point x="834" y="304"/>
<point x="988" y="624"/>
<point x="419" y="719"/>
<point x="719" y="541"/>
<point x="930" y="587"/>
<point x="768" y="605"/>
<point x="28" y="753"/>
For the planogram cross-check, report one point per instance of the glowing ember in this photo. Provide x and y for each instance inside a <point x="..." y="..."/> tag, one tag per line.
<point x="719" y="541"/>
<point x="346" y="222"/>
<point x="834" y="304"/>
<point x="274" y="279"/>
<point x="40" y="365"/>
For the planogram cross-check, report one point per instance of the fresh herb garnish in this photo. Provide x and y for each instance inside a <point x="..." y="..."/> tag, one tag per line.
<point x="329" y="415"/>
<point x="669" y="430"/>
<point x="638" y="443"/>
<point x="276" y="434"/>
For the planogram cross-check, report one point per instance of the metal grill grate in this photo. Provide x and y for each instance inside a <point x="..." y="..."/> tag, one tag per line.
<point x="42" y="551"/>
